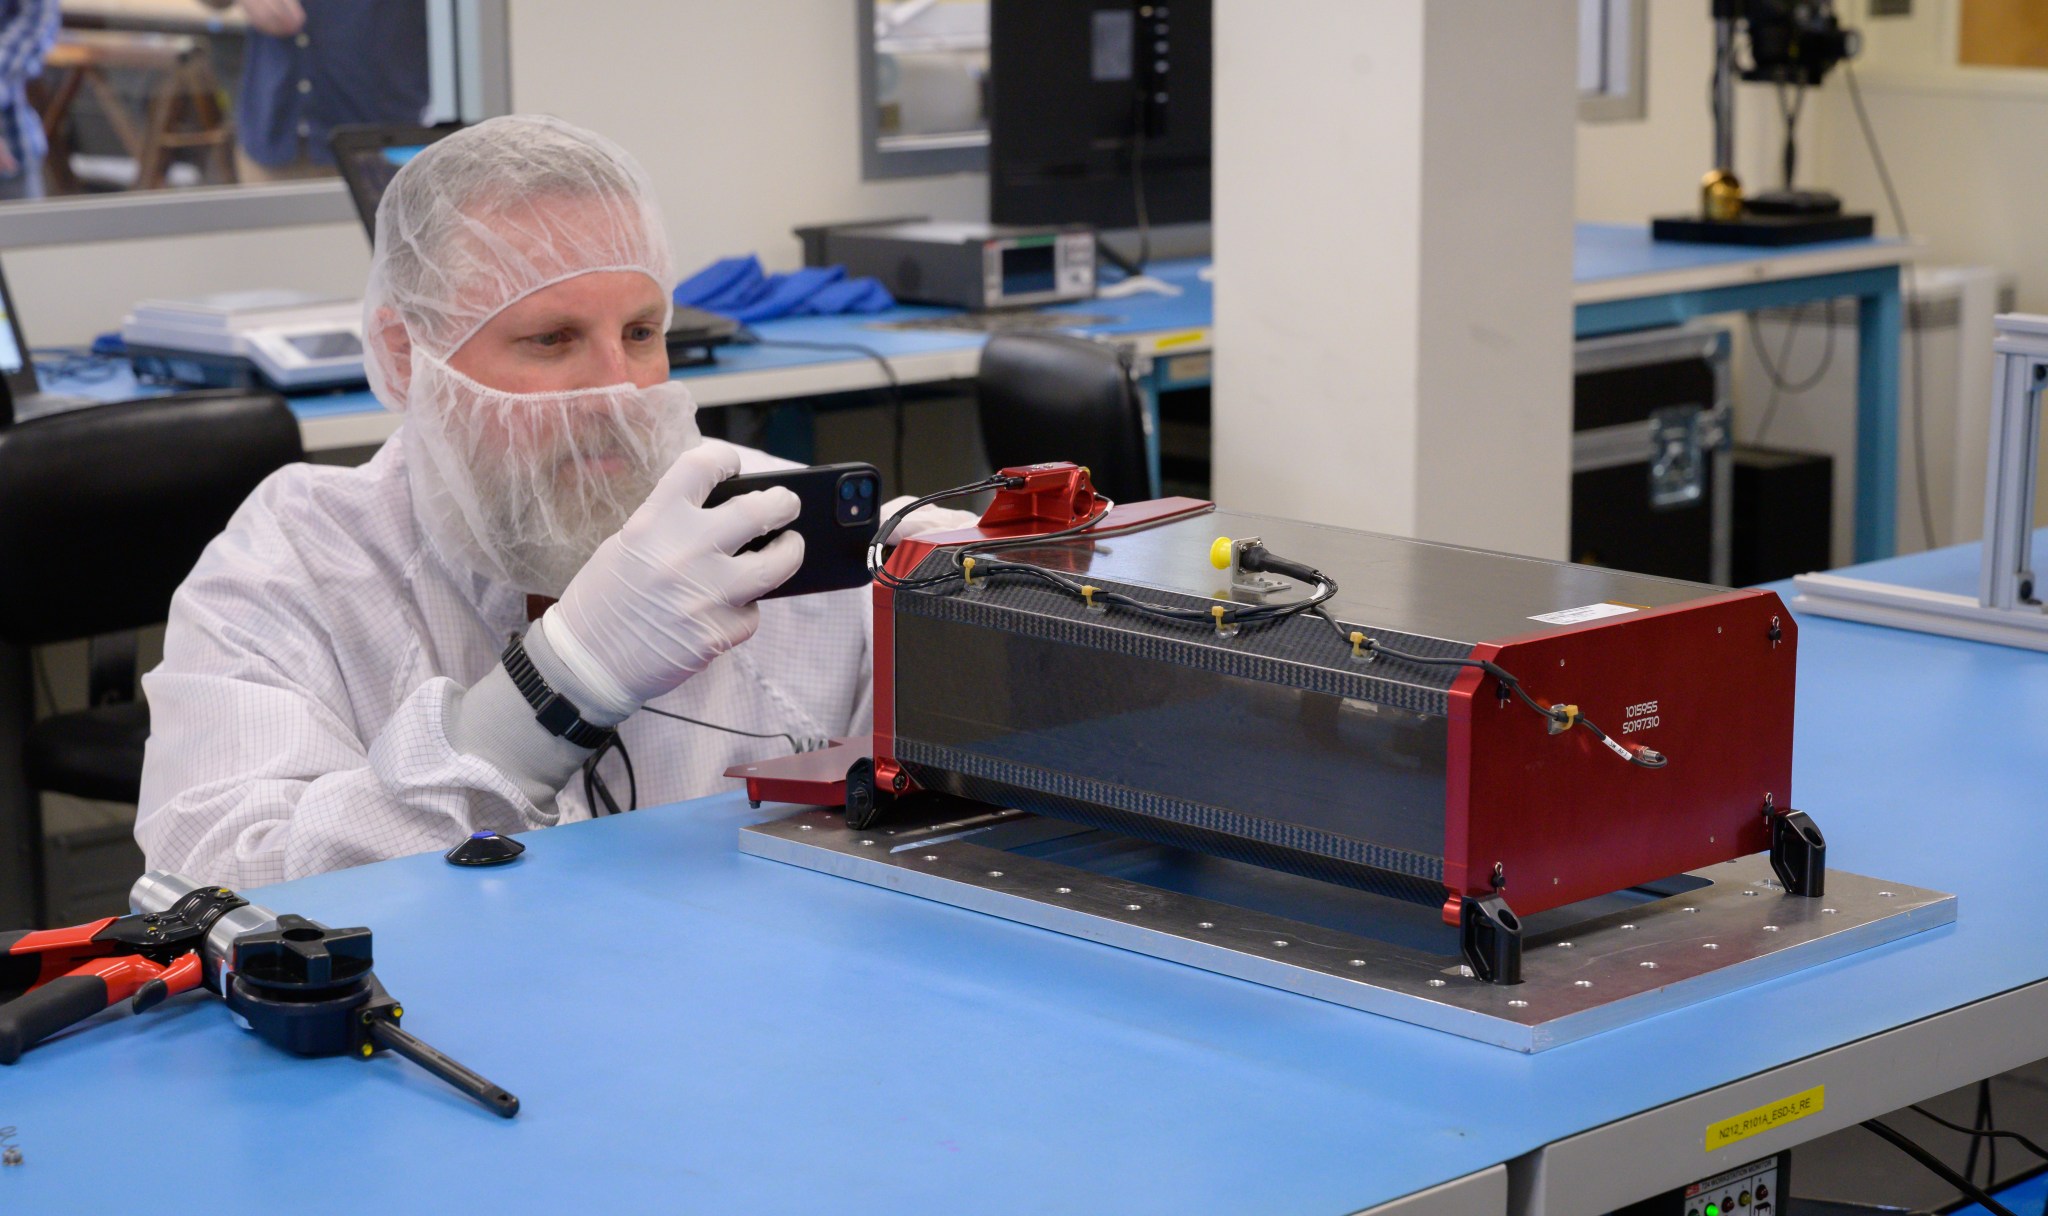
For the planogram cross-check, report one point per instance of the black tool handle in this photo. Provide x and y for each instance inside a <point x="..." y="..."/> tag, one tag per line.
<point x="388" y="1033"/>
<point x="29" y="1019"/>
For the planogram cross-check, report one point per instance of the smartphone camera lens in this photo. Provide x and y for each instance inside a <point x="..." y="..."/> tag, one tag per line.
<point x="856" y="505"/>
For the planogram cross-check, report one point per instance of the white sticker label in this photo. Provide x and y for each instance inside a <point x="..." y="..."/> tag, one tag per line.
<point x="1591" y="612"/>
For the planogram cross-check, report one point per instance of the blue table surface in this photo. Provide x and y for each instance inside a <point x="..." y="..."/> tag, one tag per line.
<point x="1145" y="313"/>
<point x="691" y="1028"/>
<point x="1601" y="251"/>
<point x="1955" y="570"/>
<point x="1612" y="251"/>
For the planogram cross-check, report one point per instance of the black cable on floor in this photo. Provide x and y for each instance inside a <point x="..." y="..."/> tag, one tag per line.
<point x="1937" y="1166"/>
<point x="1983" y="1132"/>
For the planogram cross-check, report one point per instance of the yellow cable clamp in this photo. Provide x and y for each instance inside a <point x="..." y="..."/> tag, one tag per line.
<point x="1088" y="596"/>
<point x="1357" y="645"/>
<point x="967" y="570"/>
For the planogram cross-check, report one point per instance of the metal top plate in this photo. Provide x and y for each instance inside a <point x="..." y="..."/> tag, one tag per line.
<point x="1384" y="582"/>
<point x="1739" y="929"/>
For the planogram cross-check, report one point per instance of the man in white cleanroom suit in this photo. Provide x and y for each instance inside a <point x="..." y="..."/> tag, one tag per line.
<point x="349" y="671"/>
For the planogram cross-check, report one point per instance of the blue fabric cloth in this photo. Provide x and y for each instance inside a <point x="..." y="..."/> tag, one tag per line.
<point x="740" y="289"/>
<point x="356" y="61"/>
<point x="28" y="28"/>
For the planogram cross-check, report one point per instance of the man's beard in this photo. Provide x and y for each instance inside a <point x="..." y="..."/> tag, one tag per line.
<point x="546" y="519"/>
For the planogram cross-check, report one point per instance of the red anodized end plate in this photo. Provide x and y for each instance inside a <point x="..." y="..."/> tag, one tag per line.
<point x="1562" y="816"/>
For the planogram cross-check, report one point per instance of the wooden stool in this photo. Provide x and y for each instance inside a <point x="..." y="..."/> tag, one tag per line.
<point x="185" y="109"/>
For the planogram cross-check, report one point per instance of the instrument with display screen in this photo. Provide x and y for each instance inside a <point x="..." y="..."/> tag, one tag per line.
<point x="965" y="265"/>
<point x="289" y="340"/>
<point x="21" y="391"/>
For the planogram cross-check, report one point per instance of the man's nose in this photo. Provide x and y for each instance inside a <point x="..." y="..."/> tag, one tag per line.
<point x="611" y="353"/>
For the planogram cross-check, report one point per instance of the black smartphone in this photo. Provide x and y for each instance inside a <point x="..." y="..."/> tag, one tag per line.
<point x="836" y="520"/>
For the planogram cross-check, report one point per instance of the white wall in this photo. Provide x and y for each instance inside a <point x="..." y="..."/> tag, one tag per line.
<point x="746" y="112"/>
<point x="1964" y="145"/>
<point x="68" y="293"/>
<point x="1971" y="169"/>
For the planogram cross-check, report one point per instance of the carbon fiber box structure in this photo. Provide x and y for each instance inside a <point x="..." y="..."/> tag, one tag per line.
<point x="1280" y="746"/>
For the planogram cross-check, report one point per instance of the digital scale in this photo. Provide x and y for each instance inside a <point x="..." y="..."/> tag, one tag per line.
<point x="291" y="341"/>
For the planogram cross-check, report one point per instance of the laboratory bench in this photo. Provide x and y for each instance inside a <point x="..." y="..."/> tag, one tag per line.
<point x="692" y="1028"/>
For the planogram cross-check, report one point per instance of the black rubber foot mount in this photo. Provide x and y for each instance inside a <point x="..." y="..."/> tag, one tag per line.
<point x="1799" y="853"/>
<point x="864" y="803"/>
<point x="1490" y="937"/>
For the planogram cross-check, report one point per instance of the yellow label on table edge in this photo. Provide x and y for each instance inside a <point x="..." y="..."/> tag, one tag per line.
<point x="1774" y="1114"/>
<point x="1187" y="338"/>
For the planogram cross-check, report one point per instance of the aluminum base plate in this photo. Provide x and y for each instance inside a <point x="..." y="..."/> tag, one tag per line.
<point x="1735" y="928"/>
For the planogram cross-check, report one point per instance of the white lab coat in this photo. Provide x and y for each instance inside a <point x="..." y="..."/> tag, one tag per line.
<point x="298" y="720"/>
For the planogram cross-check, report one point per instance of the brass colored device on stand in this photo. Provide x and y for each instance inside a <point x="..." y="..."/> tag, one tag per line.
<point x="1792" y="45"/>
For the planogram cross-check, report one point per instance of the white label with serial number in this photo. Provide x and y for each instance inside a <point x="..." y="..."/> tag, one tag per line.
<point x="1591" y="612"/>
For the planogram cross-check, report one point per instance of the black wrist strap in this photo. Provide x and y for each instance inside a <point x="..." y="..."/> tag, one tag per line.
<point x="551" y="709"/>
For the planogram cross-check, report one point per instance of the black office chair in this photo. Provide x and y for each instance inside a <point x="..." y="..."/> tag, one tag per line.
<point x="1058" y="397"/>
<point x="103" y="512"/>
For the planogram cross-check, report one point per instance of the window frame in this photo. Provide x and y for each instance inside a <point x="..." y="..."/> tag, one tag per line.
<point x="480" y="59"/>
<point x="878" y="163"/>
<point x="1628" y="62"/>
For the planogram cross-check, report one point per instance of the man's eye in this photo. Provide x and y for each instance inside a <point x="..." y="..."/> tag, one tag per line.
<point x="643" y="333"/>
<point x="553" y="338"/>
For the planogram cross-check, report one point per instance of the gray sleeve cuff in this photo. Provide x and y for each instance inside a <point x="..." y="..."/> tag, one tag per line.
<point x="541" y="653"/>
<point x="493" y="722"/>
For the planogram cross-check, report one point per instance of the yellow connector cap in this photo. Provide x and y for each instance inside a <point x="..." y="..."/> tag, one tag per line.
<point x="1219" y="553"/>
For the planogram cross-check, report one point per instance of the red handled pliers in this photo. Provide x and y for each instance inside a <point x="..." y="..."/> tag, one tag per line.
<point x="53" y="978"/>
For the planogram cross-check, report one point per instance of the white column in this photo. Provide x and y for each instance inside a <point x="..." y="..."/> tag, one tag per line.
<point x="1393" y="225"/>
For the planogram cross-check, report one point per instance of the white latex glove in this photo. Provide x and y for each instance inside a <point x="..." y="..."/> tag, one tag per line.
<point x="278" y="18"/>
<point x="924" y="519"/>
<point x="666" y="595"/>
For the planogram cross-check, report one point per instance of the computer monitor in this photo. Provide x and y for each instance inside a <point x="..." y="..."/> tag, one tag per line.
<point x="369" y="157"/>
<point x="17" y="368"/>
<point x="1095" y="107"/>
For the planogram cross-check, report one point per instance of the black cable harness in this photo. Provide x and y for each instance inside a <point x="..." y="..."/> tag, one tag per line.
<point x="597" y="794"/>
<point x="969" y="563"/>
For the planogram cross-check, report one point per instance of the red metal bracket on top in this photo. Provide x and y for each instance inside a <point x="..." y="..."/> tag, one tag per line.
<point x="1048" y="498"/>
